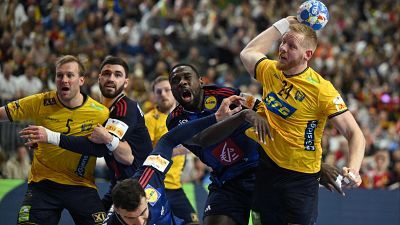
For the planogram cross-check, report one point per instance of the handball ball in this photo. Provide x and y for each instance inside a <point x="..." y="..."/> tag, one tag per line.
<point x="313" y="13"/>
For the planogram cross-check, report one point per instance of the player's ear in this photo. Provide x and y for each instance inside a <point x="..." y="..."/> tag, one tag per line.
<point x="126" y="82"/>
<point x="308" y="54"/>
<point x="201" y="81"/>
<point x="81" y="80"/>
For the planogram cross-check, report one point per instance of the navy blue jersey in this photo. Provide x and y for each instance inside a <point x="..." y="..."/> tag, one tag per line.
<point x="152" y="173"/>
<point x="230" y="157"/>
<point x="127" y="111"/>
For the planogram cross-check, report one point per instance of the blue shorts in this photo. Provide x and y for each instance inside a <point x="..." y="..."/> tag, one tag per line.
<point x="233" y="198"/>
<point x="45" y="200"/>
<point x="284" y="196"/>
<point x="181" y="206"/>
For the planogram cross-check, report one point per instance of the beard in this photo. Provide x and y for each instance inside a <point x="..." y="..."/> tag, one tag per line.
<point x="108" y="94"/>
<point x="288" y="64"/>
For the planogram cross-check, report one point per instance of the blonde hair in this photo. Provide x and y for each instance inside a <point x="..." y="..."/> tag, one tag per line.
<point x="310" y="36"/>
<point x="70" y="58"/>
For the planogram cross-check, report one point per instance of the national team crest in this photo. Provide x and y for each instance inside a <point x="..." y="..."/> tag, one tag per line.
<point x="228" y="152"/>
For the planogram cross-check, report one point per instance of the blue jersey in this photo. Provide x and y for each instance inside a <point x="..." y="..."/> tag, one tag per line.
<point x="229" y="158"/>
<point x="126" y="111"/>
<point x="152" y="173"/>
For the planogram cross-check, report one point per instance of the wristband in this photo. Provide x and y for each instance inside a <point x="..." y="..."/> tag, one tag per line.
<point x="113" y="144"/>
<point x="282" y="25"/>
<point x="52" y="137"/>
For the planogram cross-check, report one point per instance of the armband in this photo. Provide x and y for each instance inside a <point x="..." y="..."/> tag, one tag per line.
<point x="113" y="144"/>
<point x="282" y="25"/>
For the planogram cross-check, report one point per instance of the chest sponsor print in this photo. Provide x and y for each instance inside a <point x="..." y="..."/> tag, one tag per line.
<point x="228" y="152"/>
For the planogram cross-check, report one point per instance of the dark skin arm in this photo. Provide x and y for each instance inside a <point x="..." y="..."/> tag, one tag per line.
<point x="221" y="130"/>
<point x="328" y="178"/>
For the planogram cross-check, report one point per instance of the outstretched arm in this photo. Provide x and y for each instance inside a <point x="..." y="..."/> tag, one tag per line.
<point x="261" y="44"/>
<point x="80" y="144"/>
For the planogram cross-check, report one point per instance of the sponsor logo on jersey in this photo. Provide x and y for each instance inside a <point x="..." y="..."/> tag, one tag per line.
<point x="87" y="125"/>
<point x="116" y="127"/>
<point x="210" y="102"/>
<point x="309" y="136"/>
<point x="49" y="101"/>
<point x="227" y="152"/>
<point x="99" y="217"/>
<point x="278" y="106"/>
<point x="96" y="107"/>
<point x="152" y="194"/>
<point x="339" y="103"/>
<point x="23" y="215"/>
<point x="312" y="80"/>
<point x="157" y="162"/>
<point x="83" y="161"/>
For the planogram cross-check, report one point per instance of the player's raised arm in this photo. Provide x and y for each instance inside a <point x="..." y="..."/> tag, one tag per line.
<point x="261" y="44"/>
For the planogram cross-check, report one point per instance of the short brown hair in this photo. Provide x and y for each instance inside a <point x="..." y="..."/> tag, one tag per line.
<point x="70" y="58"/>
<point x="158" y="80"/>
<point x="310" y="36"/>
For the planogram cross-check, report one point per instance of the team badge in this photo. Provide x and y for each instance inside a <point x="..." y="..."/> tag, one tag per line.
<point x="157" y="162"/>
<point x="116" y="127"/>
<point x="339" y="103"/>
<point x="210" y="102"/>
<point x="152" y="194"/>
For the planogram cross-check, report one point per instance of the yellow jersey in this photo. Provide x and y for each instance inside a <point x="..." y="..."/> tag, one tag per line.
<point x="156" y="124"/>
<point x="296" y="109"/>
<point x="51" y="162"/>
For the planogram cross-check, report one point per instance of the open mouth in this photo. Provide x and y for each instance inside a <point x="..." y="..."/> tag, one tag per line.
<point x="186" y="95"/>
<point x="65" y="89"/>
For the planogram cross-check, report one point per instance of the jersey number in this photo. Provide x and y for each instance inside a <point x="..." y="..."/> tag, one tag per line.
<point x="285" y="89"/>
<point x="68" y="126"/>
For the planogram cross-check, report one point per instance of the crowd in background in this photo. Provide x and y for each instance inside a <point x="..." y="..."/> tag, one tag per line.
<point x="358" y="51"/>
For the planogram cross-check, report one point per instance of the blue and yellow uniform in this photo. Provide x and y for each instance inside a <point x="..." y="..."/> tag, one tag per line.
<point x="156" y="124"/>
<point x="122" y="111"/>
<point x="296" y="109"/>
<point x="54" y="168"/>
<point x="151" y="175"/>
<point x="233" y="161"/>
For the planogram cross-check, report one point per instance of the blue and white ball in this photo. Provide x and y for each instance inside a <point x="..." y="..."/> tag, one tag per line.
<point x="313" y="13"/>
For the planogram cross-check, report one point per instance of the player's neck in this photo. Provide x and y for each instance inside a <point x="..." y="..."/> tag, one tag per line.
<point x="74" y="102"/>
<point x="108" y="102"/>
<point x="294" y="71"/>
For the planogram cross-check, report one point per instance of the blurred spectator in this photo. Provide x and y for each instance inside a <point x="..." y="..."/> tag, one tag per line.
<point x="19" y="164"/>
<point x="9" y="86"/>
<point x="29" y="83"/>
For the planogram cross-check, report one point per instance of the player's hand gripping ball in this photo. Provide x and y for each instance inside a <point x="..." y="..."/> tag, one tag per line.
<point x="313" y="13"/>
